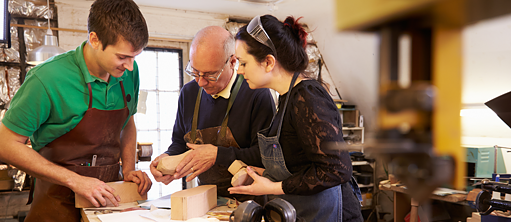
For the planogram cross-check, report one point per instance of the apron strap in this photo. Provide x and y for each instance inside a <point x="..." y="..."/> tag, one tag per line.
<point x="295" y="76"/>
<point x="193" y="133"/>
<point x="90" y="95"/>
<point x="223" y="128"/>
<point x="31" y="193"/>
<point x="123" y="94"/>
<point x="122" y="89"/>
<point x="235" y="91"/>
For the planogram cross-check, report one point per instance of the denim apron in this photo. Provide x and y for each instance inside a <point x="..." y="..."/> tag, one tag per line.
<point x="325" y="206"/>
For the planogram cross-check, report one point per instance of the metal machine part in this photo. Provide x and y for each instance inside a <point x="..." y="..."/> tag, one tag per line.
<point x="279" y="210"/>
<point x="248" y="211"/>
<point x="485" y="204"/>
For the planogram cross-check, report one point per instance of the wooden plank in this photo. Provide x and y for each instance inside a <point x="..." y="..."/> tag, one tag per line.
<point x="366" y="14"/>
<point x="128" y="191"/>
<point x="363" y="15"/>
<point x="194" y="202"/>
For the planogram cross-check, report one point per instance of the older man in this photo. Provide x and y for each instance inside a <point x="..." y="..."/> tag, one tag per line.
<point x="217" y="109"/>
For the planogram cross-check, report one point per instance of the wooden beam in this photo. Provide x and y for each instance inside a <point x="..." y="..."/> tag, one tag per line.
<point x="85" y="31"/>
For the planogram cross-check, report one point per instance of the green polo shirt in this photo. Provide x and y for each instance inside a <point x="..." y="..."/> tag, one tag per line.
<point x="54" y="97"/>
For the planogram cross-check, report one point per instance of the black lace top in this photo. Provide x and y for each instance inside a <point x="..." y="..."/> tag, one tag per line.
<point x="311" y="122"/>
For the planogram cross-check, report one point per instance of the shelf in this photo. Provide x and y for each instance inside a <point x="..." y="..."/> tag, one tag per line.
<point x="352" y="128"/>
<point x="359" y="163"/>
<point x="365" y="186"/>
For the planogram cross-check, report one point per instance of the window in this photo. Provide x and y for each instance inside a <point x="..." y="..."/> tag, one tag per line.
<point x="161" y="79"/>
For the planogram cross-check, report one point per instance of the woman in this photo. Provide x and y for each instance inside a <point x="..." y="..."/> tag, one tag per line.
<point x="299" y="167"/>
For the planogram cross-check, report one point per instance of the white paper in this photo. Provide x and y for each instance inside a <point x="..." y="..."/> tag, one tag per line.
<point x="159" y="215"/>
<point x="162" y="202"/>
<point x="130" y="216"/>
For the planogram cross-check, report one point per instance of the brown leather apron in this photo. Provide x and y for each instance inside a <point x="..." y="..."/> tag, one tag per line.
<point x="218" y="136"/>
<point x="98" y="133"/>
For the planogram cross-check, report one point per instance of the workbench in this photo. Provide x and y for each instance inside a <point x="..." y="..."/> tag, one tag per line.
<point x="89" y="215"/>
<point x="403" y="204"/>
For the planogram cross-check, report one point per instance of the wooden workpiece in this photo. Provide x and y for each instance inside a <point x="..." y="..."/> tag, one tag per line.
<point x="128" y="191"/>
<point x="193" y="202"/>
<point x="167" y="165"/>
<point x="241" y="178"/>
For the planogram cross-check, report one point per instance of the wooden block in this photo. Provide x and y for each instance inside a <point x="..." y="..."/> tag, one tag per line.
<point x="476" y="217"/>
<point x="128" y="191"/>
<point x="472" y="195"/>
<point x="241" y="178"/>
<point x="236" y="166"/>
<point x="194" y="202"/>
<point x="167" y="165"/>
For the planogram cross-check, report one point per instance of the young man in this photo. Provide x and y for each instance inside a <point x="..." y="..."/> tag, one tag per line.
<point x="78" y="105"/>
<point x="226" y="135"/>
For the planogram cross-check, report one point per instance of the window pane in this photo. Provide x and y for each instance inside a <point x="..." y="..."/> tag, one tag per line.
<point x="148" y="120"/>
<point x="156" y="124"/>
<point x="168" y="109"/>
<point x="168" y="71"/>
<point x="147" y="68"/>
<point x="165" y="140"/>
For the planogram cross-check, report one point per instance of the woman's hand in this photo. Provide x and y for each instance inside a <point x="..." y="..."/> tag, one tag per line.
<point x="261" y="186"/>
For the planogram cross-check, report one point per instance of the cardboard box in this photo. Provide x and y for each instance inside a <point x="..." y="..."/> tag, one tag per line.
<point x="128" y="191"/>
<point x="167" y="165"/>
<point x="193" y="202"/>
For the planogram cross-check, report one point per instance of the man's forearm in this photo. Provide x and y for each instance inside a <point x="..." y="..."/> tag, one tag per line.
<point x="128" y="146"/>
<point x="15" y="152"/>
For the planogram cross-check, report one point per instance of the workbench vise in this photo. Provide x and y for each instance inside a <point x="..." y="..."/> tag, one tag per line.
<point x="482" y="198"/>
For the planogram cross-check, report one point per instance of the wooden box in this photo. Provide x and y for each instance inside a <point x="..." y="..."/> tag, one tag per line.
<point x="350" y="117"/>
<point x="194" y="202"/>
<point x="128" y="191"/>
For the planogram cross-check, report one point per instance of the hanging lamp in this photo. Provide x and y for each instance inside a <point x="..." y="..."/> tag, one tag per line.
<point x="48" y="49"/>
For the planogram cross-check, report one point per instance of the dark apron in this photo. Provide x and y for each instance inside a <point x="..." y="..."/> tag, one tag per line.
<point x="218" y="136"/>
<point x="98" y="133"/>
<point x="325" y="206"/>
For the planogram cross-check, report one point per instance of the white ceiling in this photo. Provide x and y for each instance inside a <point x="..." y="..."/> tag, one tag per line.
<point x="311" y="10"/>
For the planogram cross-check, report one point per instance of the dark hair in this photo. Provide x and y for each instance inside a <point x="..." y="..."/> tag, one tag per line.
<point x="289" y="39"/>
<point x="110" y="19"/>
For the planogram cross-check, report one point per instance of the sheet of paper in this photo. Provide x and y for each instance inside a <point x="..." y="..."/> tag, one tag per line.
<point x="162" y="202"/>
<point x="130" y="216"/>
<point x="159" y="215"/>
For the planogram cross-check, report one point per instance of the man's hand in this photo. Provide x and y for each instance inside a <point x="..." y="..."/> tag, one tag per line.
<point x="260" y="186"/>
<point x="198" y="161"/>
<point x="158" y="176"/>
<point x="94" y="190"/>
<point x="141" y="179"/>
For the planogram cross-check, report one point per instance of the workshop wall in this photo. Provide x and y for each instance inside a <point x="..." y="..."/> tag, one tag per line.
<point x="162" y="23"/>
<point x="486" y="75"/>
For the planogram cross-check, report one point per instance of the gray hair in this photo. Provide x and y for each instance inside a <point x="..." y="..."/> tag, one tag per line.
<point x="229" y="46"/>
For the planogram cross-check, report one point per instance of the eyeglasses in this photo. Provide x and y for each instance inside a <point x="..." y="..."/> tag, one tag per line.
<point x="256" y="30"/>
<point x="210" y="76"/>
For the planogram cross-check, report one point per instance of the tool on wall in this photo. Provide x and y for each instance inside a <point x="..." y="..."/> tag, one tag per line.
<point x="144" y="151"/>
